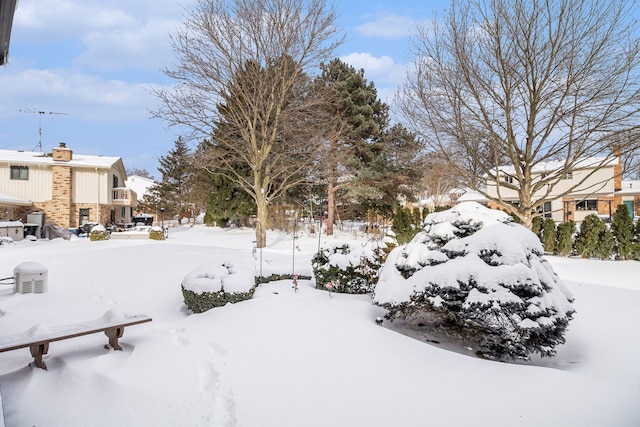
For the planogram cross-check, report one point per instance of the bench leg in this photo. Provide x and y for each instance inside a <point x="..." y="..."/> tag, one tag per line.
<point x="37" y="351"/>
<point x="113" y="335"/>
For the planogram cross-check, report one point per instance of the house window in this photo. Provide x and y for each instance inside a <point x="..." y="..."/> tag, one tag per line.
<point x="568" y="175"/>
<point x="115" y="181"/>
<point x="546" y="210"/>
<point x="123" y="212"/>
<point x="587" y="205"/>
<point x="20" y="173"/>
<point x="507" y="178"/>
<point x="83" y="216"/>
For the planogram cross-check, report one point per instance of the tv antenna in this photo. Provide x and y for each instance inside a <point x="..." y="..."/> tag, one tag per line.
<point x="40" y="113"/>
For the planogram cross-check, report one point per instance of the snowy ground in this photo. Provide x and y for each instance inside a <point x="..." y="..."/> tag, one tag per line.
<point x="290" y="358"/>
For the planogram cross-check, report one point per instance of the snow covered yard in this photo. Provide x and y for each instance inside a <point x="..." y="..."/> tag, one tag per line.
<point x="289" y="358"/>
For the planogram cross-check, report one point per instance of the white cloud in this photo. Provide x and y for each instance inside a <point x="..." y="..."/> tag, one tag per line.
<point x="388" y="26"/>
<point x="110" y="34"/>
<point x="84" y="96"/>
<point x="383" y="71"/>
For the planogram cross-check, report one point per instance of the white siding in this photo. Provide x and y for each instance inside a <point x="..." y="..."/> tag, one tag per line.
<point x="600" y="183"/>
<point x="37" y="188"/>
<point x="90" y="185"/>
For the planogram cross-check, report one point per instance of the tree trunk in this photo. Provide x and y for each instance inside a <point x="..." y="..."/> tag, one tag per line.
<point x="262" y="215"/>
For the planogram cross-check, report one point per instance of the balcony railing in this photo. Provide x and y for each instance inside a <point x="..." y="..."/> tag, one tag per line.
<point x="124" y="197"/>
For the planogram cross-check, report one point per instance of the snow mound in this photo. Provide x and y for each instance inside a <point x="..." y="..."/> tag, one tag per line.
<point x="215" y="277"/>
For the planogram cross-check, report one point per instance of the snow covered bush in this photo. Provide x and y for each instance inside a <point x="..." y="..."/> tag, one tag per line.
<point x="156" y="233"/>
<point x="98" y="232"/>
<point x="214" y="285"/>
<point x="346" y="269"/>
<point x="481" y="279"/>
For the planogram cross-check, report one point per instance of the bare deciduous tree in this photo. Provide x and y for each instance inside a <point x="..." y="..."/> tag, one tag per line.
<point x="240" y="79"/>
<point x="520" y="83"/>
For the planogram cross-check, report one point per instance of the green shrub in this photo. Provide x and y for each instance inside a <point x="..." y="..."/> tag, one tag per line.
<point x="536" y="225"/>
<point x="98" y="232"/>
<point x="201" y="302"/>
<point x="565" y="233"/>
<point x="215" y="284"/>
<point x="343" y="269"/>
<point x="548" y="235"/>
<point x="275" y="277"/>
<point x="594" y="240"/>
<point x="623" y="231"/>
<point x="156" y="233"/>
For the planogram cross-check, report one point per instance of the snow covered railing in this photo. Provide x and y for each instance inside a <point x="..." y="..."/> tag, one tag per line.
<point x="37" y="338"/>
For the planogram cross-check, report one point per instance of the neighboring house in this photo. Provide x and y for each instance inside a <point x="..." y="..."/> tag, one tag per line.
<point x="141" y="185"/>
<point x="600" y="193"/>
<point x="70" y="189"/>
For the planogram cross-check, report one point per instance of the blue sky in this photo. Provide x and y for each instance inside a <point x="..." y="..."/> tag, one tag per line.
<point x="95" y="60"/>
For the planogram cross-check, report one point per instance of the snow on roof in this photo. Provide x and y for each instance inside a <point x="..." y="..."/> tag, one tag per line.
<point x="139" y="184"/>
<point x="631" y="187"/>
<point x="556" y="165"/>
<point x="36" y="157"/>
<point x="6" y="199"/>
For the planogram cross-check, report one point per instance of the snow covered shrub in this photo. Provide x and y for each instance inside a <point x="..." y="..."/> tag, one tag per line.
<point x="594" y="239"/>
<point x="347" y="269"/>
<point x="214" y="285"/>
<point x="156" y="233"/>
<point x="484" y="280"/>
<point x="98" y="232"/>
<point x="564" y="239"/>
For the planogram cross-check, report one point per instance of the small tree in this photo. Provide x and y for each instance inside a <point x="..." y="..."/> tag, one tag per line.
<point x="565" y="233"/>
<point x="403" y="225"/>
<point x="623" y="231"/>
<point x="594" y="240"/>
<point x="548" y="238"/>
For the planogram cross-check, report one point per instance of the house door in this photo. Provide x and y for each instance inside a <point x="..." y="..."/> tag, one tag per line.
<point x="629" y="205"/>
<point x="83" y="216"/>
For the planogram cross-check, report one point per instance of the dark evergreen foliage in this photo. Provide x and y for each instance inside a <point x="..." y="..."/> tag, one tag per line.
<point x="565" y="233"/>
<point x="594" y="239"/>
<point x="623" y="231"/>
<point x="173" y="192"/>
<point x="548" y="235"/>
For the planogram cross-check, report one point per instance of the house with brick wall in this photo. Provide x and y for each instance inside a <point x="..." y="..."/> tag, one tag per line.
<point x="600" y="190"/>
<point x="68" y="189"/>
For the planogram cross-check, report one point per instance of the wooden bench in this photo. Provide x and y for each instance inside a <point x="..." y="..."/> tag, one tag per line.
<point x="37" y="338"/>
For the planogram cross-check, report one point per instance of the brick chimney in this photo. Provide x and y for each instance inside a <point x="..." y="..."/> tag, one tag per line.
<point x="617" y="169"/>
<point x="62" y="153"/>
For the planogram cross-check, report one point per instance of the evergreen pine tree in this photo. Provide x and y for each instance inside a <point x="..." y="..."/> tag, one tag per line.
<point x="358" y="117"/>
<point x="623" y="231"/>
<point x="403" y="225"/>
<point x="606" y="244"/>
<point x="548" y="238"/>
<point x="589" y="236"/>
<point x="173" y="192"/>
<point x="565" y="233"/>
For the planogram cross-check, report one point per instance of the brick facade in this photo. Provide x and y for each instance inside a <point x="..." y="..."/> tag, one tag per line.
<point x="59" y="208"/>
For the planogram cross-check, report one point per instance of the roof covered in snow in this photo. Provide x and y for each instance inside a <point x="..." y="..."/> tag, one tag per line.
<point x="36" y="157"/>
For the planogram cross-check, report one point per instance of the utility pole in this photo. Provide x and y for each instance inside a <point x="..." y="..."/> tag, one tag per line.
<point x="40" y="113"/>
